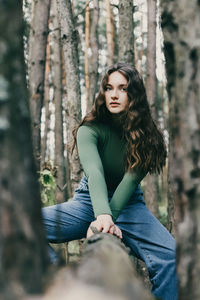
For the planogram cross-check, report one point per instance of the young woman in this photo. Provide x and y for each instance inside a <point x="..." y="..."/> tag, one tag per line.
<point x="118" y="144"/>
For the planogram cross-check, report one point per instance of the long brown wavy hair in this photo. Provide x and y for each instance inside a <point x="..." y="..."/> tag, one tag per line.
<point x="145" y="146"/>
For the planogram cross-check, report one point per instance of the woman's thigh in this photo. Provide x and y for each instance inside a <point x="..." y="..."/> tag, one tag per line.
<point x="145" y="235"/>
<point x="69" y="220"/>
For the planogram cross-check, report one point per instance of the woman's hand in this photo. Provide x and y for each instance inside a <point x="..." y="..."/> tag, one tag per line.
<point x="105" y="224"/>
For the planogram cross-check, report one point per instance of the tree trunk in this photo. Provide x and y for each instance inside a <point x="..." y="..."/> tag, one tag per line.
<point x="151" y="192"/>
<point x="22" y="244"/>
<point x="57" y="85"/>
<point x="126" y="34"/>
<point x="151" y="181"/>
<point x="106" y="264"/>
<point x="73" y="105"/>
<point x="171" y="221"/>
<point x="137" y="65"/>
<point x="142" y="49"/>
<point x="182" y="51"/>
<point x="37" y="58"/>
<point x="87" y="44"/>
<point x="105" y="271"/>
<point x="94" y="58"/>
<point x="110" y="33"/>
<point x="67" y="162"/>
<point x="46" y="107"/>
<point x="151" y="55"/>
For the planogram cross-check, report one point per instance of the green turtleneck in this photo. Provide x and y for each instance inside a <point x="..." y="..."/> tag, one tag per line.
<point x="101" y="151"/>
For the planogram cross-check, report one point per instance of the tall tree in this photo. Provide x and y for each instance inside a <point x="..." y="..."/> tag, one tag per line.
<point x="171" y="220"/>
<point x="46" y="106"/>
<point x="181" y="29"/>
<point x="151" y="181"/>
<point x="22" y="245"/>
<point x="142" y="45"/>
<point x="37" y="58"/>
<point x="87" y="44"/>
<point x="73" y="105"/>
<point x="151" y="54"/>
<point x="57" y="86"/>
<point x="69" y="192"/>
<point x="110" y="33"/>
<point x="126" y="34"/>
<point x="94" y="57"/>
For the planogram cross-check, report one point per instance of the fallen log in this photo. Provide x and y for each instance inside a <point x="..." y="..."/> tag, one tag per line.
<point x="106" y="264"/>
<point x="105" y="271"/>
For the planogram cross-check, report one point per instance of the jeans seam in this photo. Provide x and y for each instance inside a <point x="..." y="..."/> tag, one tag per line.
<point x="153" y="281"/>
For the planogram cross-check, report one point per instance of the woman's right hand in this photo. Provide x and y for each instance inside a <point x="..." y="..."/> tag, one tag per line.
<point x="105" y="224"/>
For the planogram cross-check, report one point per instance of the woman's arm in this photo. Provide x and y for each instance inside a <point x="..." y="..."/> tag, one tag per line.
<point x="124" y="191"/>
<point x="87" y="141"/>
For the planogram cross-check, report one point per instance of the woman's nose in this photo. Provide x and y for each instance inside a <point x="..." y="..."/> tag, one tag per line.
<point x="114" y="94"/>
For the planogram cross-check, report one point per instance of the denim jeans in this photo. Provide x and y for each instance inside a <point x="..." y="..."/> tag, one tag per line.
<point x="147" y="238"/>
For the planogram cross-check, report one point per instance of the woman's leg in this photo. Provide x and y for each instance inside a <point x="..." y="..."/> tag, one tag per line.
<point x="150" y="241"/>
<point x="67" y="221"/>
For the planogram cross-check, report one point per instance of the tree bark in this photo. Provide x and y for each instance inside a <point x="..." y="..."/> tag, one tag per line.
<point x="44" y="138"/>
<point x="73" y="105"/>
<point x="126" y="34"/>
<point x="22" y="245"/>
<point x="151" y="55"/>
<point x="87" y="44"/>
<point x="142" y="47"/>
<point x="151" y="182"/>
<point x="110" y="33"/>
<point x="37" y="58"/>
<point x="94" y="58"/>
<point x="59" y="162"/>
<point x="106" y="263"/>
<point x="151" y="193"/>
<point x="105" y="271"/>
<point x="181" y="29"/>
<point x="67" y="162"/>
<point x="171" y="221"/>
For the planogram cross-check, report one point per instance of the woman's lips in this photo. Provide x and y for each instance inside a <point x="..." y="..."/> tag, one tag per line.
<point x="114" y="104"/>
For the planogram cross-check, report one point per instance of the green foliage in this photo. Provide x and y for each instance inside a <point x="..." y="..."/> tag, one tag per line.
<point x="48" y="184"/>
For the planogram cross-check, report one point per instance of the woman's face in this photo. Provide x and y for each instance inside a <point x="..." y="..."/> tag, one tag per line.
<point x="116" y="96"/>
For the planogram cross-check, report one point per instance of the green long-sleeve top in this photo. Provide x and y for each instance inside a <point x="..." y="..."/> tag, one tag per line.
<point x="101" y="151"/>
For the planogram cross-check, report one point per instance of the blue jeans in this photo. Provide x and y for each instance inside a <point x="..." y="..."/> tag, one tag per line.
<point x="147" y="238"/>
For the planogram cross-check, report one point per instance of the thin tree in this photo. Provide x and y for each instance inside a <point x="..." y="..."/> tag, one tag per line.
<point x="151" y="55"/>
<point x="151" y="181"/>
<point x="22" y="245"/>
<point x="46" y="106"/>
<point x="94" y="58"/>
<point x="181" y="29"/>
<point x="126" y="34"/>
<point x="87" y="44"/>
<point x="59" y="161"/>
<point x="37" y="58"/>
<point x="110" y="33"/>
<point x="142" y="45"/>
<point x="67" y="162"/>
<point x="73" y="105"/>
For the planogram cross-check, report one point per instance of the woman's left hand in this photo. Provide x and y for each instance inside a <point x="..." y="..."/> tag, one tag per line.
<point x="105" y="224"/>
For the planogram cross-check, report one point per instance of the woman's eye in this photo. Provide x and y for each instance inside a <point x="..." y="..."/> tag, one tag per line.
<point x="123" y="89"/>
<point x="108" y="88"/>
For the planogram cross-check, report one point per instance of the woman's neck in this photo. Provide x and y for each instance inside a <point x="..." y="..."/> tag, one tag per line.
<point x="117" y="120"/>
